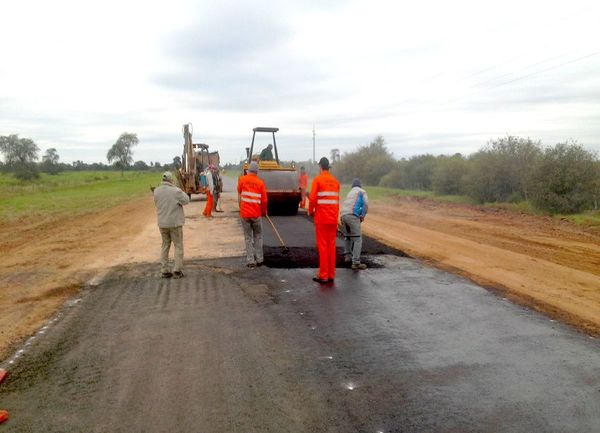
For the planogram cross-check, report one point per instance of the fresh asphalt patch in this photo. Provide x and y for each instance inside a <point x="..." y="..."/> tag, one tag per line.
<point x="298" y="234"/>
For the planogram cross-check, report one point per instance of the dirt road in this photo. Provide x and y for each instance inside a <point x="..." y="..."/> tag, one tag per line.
<point x="44" y="262"/>
<point x="547" y="264"/>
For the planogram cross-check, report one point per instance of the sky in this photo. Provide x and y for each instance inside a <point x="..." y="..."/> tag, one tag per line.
<point x="430" y="76"/>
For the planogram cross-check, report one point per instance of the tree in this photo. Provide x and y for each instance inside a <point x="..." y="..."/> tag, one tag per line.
<point x="501" y="171"/>
<point x="20" y="155"/>
<point x="140" y="165"/>
<point x="563" y="180"/>
<point x="177" y="162"/>
<point x="419" y="172"/>
<point x="122" y="151"/>
<point x="79" y="165"/>
<point x="335" y="155"/>
<point x="448" y="174"/>
<point x="50" y="163"/>
<point x="369" y="163"/>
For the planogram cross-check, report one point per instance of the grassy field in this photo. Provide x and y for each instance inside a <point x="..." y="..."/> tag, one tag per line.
<point x="70" y="192"/>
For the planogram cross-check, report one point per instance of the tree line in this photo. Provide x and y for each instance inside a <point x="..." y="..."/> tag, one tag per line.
<point x="21" y="157"/>
<point x="564" y="178"/>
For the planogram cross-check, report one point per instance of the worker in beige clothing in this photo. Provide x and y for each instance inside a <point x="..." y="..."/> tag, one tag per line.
<point x="169" y="201"/>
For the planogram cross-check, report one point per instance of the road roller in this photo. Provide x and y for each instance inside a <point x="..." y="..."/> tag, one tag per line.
<point x="282" y="181"/>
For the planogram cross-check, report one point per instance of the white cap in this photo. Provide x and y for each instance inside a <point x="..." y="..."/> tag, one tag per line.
<point x="167" y="176"/>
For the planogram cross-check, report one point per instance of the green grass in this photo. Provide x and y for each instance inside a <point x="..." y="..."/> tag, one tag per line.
<point x="379" y="192"/>
<point x="70" y="193"/>
<point x="588" y="218"/>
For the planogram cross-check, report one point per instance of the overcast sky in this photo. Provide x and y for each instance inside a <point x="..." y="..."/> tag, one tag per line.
<point x="431" y="76"/>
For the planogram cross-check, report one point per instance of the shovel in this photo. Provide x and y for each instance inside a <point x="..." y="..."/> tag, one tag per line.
<point x="284" y="249"/>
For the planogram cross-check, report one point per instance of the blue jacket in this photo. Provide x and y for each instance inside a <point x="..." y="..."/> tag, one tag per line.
<point x="356" y="203"/>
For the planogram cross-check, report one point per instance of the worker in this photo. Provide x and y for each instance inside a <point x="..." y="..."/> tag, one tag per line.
<point x="218" y="188"/>
<point x="209" y="189"/>
<point x="303" y="187"/>
<point x="324" y="205"/>
<point x="169" y="201"/>
<point x="353" y="212"/>
<point x="252" y="195"/>
<point x="267" y="153"/>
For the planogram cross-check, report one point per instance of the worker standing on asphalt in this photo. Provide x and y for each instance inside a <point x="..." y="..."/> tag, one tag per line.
<point x="209" y="189"/>
<point x="303" y="186"/>
<point x="169" y="201"/>
<point x="324" y="205"/>
<point x="353" y="212"/>
<point x="252" y="195"/>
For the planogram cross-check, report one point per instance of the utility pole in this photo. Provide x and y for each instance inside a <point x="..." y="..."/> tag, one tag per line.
<point x="313" y="143"/>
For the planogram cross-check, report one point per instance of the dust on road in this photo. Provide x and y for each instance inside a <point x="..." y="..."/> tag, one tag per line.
<point x="547" y="264"/>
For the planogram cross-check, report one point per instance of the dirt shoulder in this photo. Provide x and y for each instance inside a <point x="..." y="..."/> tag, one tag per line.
<point x="547" y="264"/>
<point x="47" y="261"/>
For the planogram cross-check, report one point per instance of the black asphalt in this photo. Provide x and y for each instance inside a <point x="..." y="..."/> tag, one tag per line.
<point x="397" y="348"/>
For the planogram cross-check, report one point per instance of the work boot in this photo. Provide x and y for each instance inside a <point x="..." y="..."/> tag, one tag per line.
<point x="320" y="280"/>
<point x="347" y="258"/>
<point x="177" y="274"/>
<point x="358" y="266"/>
<point x="251" y="265"/>
<point x="166" y="275"/>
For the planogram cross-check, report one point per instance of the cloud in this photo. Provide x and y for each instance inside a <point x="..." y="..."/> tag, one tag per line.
<point x="241" y="59"/>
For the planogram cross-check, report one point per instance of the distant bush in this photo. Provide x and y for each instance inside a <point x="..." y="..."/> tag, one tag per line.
<point x="565" y="179"/>
<point x="394" y="179"/>
<point x="369" y="163"/>
<point x="449" y="175"/>
<point x="502" y="170"/>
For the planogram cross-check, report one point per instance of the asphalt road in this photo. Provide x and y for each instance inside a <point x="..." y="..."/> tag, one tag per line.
<point x="397" y="348"/>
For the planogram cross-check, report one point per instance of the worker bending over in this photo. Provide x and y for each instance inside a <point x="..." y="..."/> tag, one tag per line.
<point x="252" y="195"/>
<point x="353" y="212"/>
<point x="169" y="201"/>
<point x="324" y="205"/>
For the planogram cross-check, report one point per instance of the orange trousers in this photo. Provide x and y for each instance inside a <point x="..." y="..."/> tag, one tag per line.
<point x="326" y="235"/>
<point x="304" y="199"/>
<point x="209" y="205"/>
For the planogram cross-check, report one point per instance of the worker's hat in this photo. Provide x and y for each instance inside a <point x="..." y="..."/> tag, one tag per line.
<point x="167" y="176"/>
<point x="253" y="167"/>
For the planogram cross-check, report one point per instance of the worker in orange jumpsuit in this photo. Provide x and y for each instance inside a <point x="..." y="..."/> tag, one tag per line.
<point x="209" y="189"/>
<point x="324" y="205"/>
<point x="253" y="206"/>
<point x="303" y="187"/>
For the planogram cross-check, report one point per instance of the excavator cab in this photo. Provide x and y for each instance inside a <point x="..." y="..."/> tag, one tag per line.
<point x="282" y="182"/>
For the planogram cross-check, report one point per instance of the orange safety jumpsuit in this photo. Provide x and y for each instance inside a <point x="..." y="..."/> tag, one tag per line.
<point x="324" y="204"/>
<point x="253" y="196"/>
<point x="209" y="205"/>
<point x="303" y="188"/>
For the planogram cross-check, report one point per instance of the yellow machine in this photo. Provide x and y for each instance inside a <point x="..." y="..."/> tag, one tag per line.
<point x="194" y="160"/>
<point x="283" y="184"/>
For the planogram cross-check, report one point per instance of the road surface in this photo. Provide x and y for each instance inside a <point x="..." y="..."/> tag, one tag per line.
<point x="401" y="348"/>
<point x="397" y="348"/>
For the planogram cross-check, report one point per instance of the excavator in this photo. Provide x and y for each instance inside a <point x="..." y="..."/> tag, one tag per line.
<point x="194" y="160"/>
<point x="282" y="182"/>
